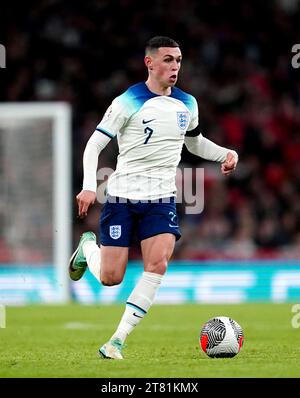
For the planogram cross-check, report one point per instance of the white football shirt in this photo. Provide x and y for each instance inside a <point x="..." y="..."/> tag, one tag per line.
<point x="150" y="129"/>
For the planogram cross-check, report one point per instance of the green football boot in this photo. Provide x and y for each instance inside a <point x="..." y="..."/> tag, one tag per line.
<point x="77" y="263"/>
<point x="112" y="349"/>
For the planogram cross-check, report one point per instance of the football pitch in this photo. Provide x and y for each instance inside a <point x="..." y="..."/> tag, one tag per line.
<point x="62" y="341"/>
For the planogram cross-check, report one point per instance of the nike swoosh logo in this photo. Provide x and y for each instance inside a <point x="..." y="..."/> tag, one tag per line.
<point x="137" y="315"/>
<point x="173" y="226"/>
<point x="147" y="121"/>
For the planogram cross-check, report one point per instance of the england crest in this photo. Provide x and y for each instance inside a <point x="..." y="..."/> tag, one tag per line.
<point x="115" y="231"/>
<point x="182" y="120"/>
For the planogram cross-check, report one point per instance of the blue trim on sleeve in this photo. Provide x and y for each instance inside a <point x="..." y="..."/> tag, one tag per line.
<point x="104" y="132"/>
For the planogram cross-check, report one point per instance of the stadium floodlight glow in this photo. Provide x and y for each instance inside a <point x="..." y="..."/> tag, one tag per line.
<point x="35" y="148"/>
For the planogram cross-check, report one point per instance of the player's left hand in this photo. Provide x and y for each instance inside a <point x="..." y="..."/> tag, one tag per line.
<point x="230" y="163"/>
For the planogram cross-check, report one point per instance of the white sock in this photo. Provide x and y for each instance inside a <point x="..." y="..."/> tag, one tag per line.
<point x="92" y="254"/>
<point x="138" y="304"/>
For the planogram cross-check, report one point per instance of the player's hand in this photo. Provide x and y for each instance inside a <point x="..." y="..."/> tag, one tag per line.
<point x="84" y="200"/>
<point x="230" y="163"/>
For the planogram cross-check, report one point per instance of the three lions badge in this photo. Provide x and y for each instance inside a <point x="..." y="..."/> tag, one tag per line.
<point x="115" y="231"/>
<point x="183" y="120"/>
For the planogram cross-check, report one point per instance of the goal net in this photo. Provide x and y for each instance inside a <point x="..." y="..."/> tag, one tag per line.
<point x="35" y="204"/>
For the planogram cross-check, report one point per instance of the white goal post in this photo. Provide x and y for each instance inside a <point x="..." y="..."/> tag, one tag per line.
<point x="35" y="208"/>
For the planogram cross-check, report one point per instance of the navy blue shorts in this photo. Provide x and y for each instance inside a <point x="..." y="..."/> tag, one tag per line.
<point x="121" y="218"/>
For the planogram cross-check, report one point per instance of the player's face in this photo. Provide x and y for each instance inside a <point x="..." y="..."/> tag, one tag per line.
<point x="165" y="64"/>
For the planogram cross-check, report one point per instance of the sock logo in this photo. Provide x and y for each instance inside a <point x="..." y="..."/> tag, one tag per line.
<point x="135" y="314"/>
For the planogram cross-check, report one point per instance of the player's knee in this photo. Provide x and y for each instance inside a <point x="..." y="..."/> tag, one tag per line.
<point x="110" y="279"/>
<point x="157" y="266"/>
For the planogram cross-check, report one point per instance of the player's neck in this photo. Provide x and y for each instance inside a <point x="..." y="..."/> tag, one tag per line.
<point x="156" y="88"/>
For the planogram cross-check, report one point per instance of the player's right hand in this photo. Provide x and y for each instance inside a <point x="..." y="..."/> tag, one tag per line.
<point x="84" y="200"/>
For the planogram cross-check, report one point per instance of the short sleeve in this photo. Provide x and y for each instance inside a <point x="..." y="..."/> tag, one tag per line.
<point x="194" y="114"/>
<point x="114" y="118"/>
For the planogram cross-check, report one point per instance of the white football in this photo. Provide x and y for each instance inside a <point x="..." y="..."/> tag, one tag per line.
<point x="221" y="337"/>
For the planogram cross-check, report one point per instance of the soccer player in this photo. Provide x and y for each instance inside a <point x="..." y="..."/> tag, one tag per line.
<point x="152" y="120"/>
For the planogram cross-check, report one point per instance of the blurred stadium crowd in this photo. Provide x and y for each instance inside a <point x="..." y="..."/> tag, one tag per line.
<point x="236" y="62"/>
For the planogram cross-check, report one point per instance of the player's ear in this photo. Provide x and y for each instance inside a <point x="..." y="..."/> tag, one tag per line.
<point x="148" y="62"/>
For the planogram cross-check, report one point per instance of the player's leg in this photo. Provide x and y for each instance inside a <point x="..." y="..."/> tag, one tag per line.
<point x="156" y="252"/>
<point x="113" y="264"/>
<point x="157" y="230"/>
<point x="107" y="264"/>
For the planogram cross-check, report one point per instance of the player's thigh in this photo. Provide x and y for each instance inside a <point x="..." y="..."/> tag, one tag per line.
<point x="115" y="236"/>
<point x="116" y="224"/>
<point x="157" y="251"/>
<point x="158" y="219"/>
<point x="113" y="264"/>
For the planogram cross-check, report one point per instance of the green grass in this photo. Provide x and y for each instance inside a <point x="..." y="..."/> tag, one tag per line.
<point x="62" y="341"/>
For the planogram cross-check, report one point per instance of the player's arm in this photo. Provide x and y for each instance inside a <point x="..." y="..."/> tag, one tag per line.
<point x="206" y="149"/>
<point x="87" y="196"/>
<point x="112" y="122"/>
